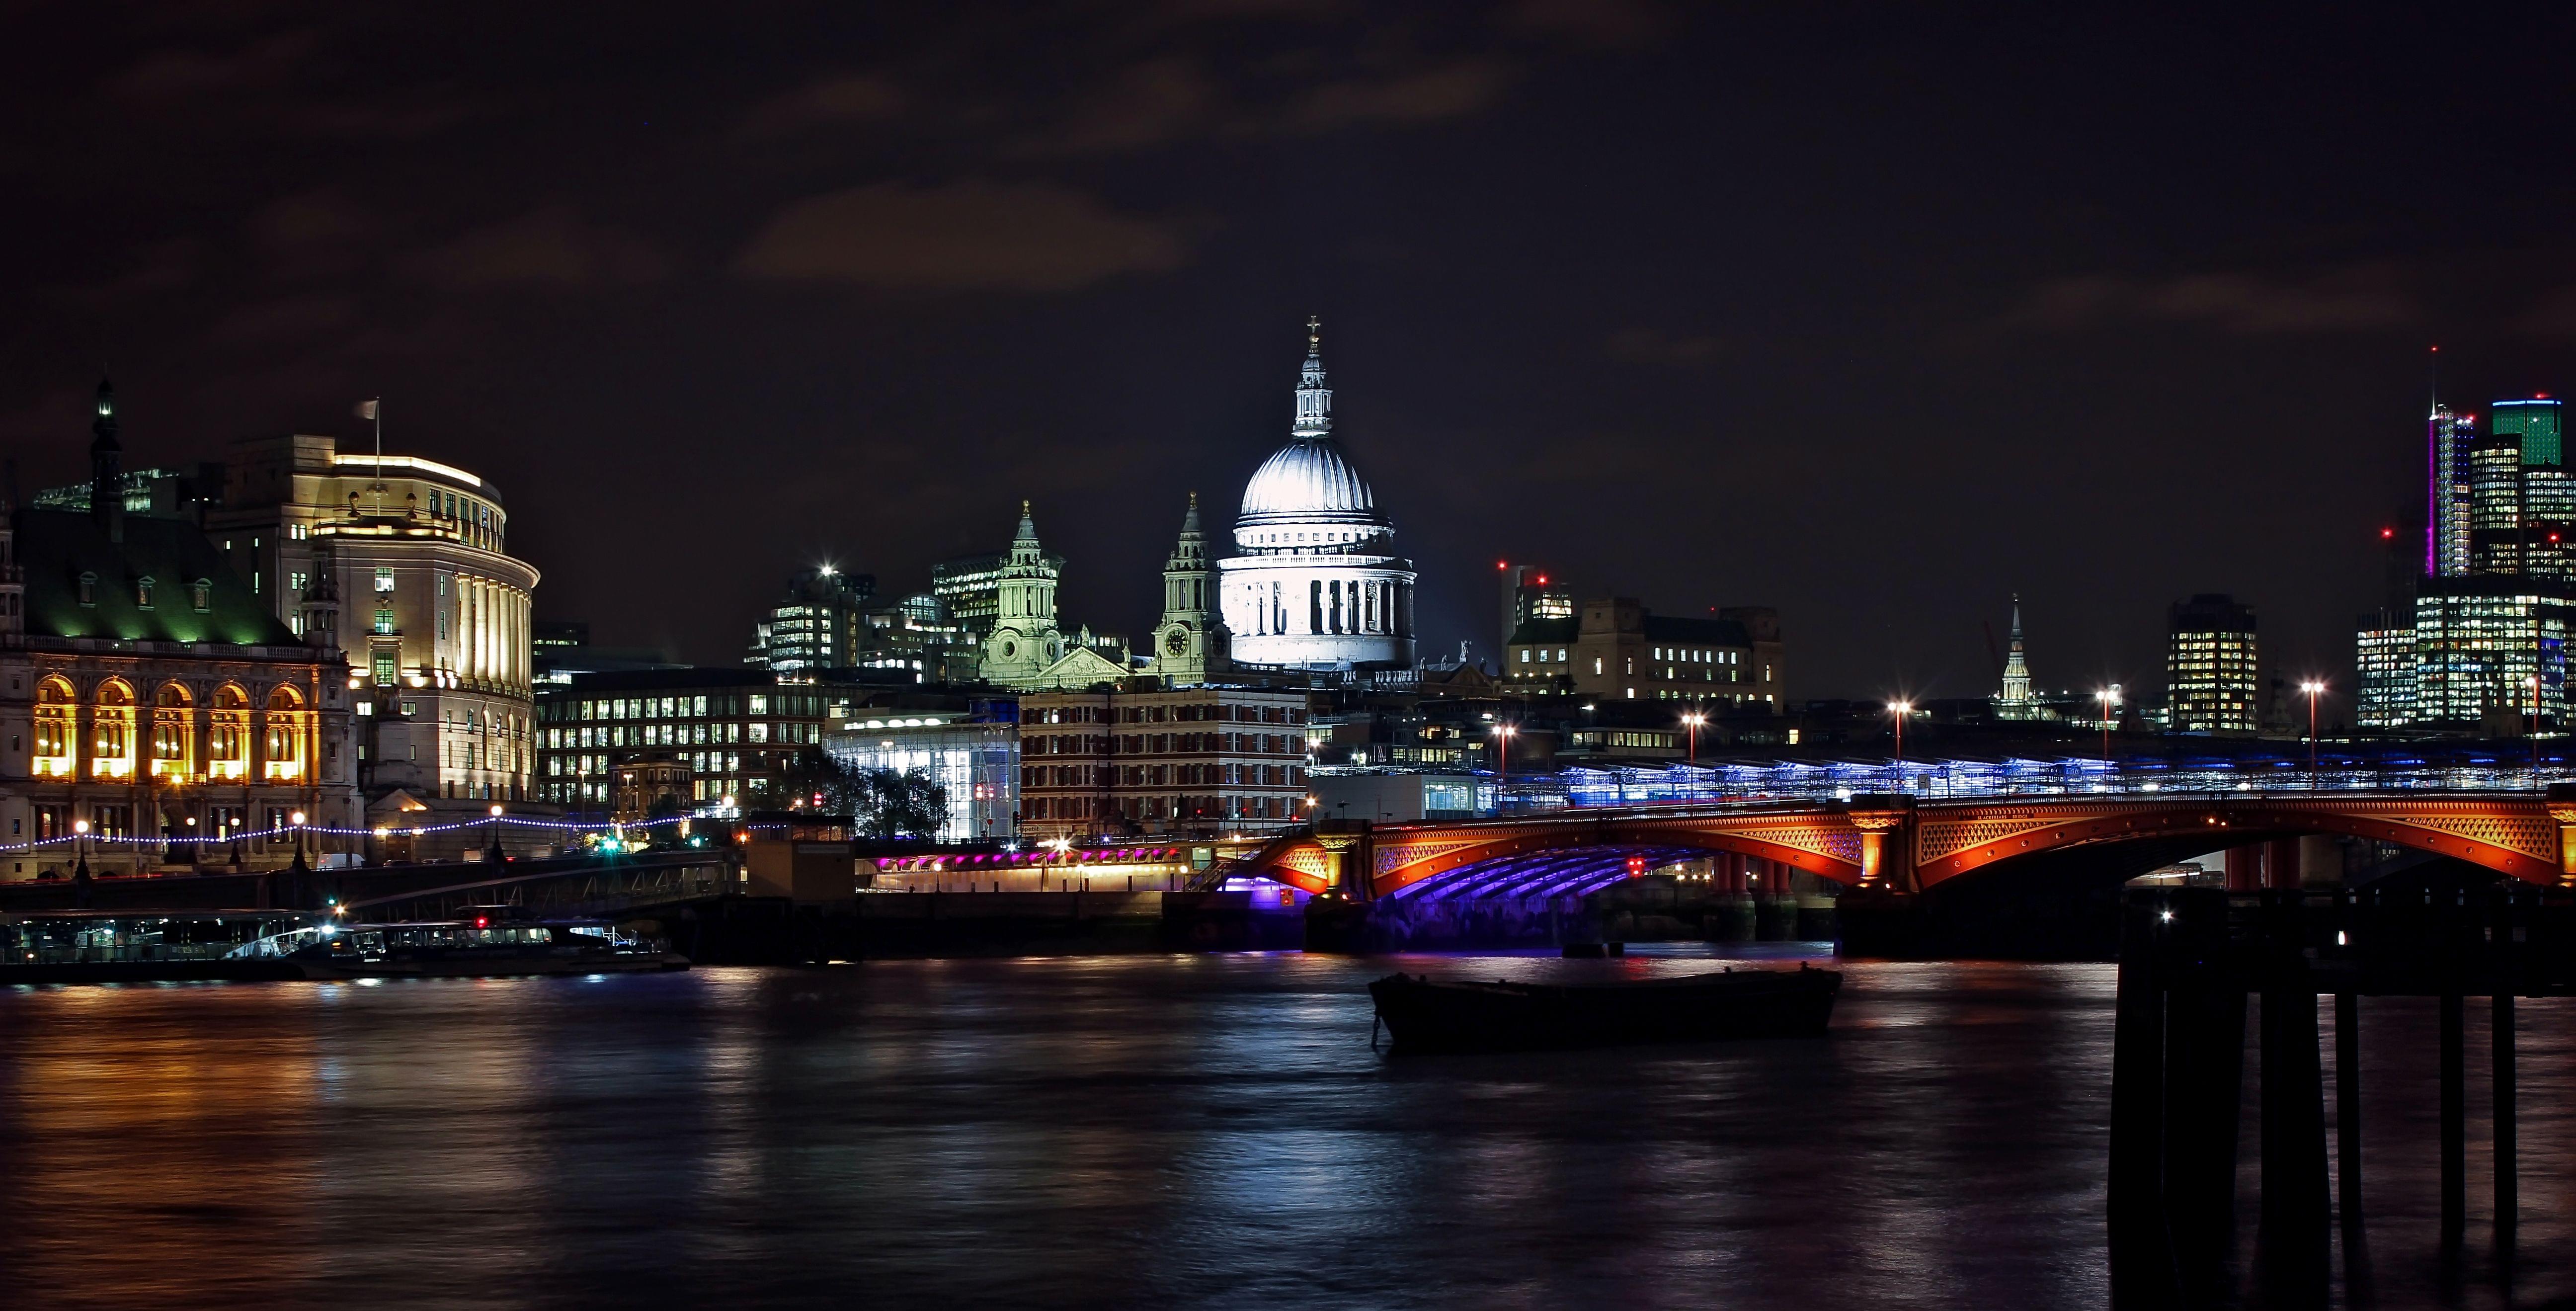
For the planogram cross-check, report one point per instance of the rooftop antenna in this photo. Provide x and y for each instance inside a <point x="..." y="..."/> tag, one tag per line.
<point x="2433" y="376"/>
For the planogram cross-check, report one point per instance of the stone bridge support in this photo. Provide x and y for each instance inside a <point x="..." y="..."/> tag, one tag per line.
<point x="1886" y="824"/>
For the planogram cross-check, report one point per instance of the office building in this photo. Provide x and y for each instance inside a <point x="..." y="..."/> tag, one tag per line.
<point x="151" y="694"/>
<point x="1528" y="595"/>
<point x="817" y="625"/>
<point x="2490" y="648"/>
<point x="1314" y="582"/>
<point x="1616" y="649"/>
<point x="740" y="731"/>
<point x="2212" y="683"/>
<point x="1197" y="762"/>
<point x="2385" y="669"/>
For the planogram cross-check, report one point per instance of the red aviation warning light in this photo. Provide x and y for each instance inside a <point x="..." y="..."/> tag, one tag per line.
<point x="2387" y="533"/>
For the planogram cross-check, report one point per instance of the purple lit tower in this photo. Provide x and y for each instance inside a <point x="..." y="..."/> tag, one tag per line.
<point x="2448" y="438"/>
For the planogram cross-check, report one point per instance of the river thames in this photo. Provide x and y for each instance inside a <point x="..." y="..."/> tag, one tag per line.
<point x="1178" y="1131"/>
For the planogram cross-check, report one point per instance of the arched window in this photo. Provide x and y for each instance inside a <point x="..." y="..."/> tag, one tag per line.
<point x="174" y="734"/>
<point x="228" y="733"/>
<point x="112" y="731"/>
<point x="55" y="717"/>
<point x="283" y="727"/>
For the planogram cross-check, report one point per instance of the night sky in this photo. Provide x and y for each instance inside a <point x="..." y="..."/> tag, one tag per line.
<point x="1873" y="314"/>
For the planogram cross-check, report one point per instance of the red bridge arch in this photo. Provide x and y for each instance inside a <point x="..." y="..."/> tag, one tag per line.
<point x="1903" y="844"/>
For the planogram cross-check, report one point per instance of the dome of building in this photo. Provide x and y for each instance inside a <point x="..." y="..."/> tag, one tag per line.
<point x="1315" y="583"/>
<point x="1308" y="480"/>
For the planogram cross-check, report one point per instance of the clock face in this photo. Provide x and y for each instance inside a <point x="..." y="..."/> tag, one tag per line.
<point x="1010" y="649"/>
<point x="1178" y="643"/>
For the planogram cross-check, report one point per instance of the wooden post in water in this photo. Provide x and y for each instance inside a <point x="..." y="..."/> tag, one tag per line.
<point x="2204" y="1075"/>
<point x="2455" y="1157"/>
<point x="2142" y="1267"/>
<point x="2295" y="1239"/>
<point x="2348" y="1109"/>
<point x="2508" y="1201"/>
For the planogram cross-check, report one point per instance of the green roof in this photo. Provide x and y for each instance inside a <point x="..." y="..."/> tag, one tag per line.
<point x="57" y="547"/>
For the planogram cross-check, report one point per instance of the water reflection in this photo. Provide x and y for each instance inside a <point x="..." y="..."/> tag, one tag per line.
<point x="1204" y="1131"/>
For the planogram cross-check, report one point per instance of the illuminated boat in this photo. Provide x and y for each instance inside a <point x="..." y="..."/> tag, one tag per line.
<point x="1426" y="1015"/>
<point x="481" y="946"/>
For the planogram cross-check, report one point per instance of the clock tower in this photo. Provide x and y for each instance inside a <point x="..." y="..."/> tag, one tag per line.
<point x="1190" y="643"/>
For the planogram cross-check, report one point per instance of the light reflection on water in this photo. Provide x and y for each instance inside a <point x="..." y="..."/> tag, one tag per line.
<point x="1208" y="1131"/>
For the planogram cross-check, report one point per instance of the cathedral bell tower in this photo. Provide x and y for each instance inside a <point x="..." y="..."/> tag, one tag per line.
<point x="1191" y="642"/>
<point x="1025" y="639"/>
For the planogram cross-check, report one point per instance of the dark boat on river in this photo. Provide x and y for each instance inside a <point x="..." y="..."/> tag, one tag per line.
<point x="1424" y="1015"/>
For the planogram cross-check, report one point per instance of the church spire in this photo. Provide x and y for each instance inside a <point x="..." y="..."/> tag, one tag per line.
<point x="1314" y="399"/>
<point x="2015" y="701"/>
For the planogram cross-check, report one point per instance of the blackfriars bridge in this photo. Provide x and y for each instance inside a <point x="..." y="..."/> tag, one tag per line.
<point x="1904" y="845"/>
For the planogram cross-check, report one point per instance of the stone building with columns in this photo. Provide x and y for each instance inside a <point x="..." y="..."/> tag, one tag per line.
<point x="155" y="712"/>
<point x="433" y="609"/>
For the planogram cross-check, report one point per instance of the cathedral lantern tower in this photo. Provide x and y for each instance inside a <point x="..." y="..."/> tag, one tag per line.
<point x="1024" y="640"/>
<point x="1191" y="642"/>
<point x="1314" y="582"/>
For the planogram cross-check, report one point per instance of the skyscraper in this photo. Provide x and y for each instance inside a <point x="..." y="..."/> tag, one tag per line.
<point x="2448" y="436"/>
<point x="2487" y="623"/>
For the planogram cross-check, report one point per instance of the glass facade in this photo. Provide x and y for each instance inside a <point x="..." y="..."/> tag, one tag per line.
<point x="978" y="764"/>
<point x="2489" y="649"/>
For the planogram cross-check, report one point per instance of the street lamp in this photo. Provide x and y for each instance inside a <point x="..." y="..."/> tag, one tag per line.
<point x="2314" y="687"/>
<point x="2533" y="682"/>
<point x="1693" y="720"/>
<point x="1503" y="734"/>
<point x="2110" y="698"/>
<point x="1900" y="708"/>
<point x="80" y="844"/>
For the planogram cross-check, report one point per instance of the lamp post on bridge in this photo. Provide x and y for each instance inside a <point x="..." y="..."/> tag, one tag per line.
<point x="2312" y="687"/>
<point x="1503" y="734"/>
<point x="1691" y="723"/>
<point x="2110" y="699"/>
<point x="1900" y="708"/>
<point x="2533" y="683"/>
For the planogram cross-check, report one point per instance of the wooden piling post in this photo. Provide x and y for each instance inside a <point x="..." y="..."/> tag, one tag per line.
<point x="2348" y="1108"/>
<point x="2508" y="1201"/>
<point x="2295" y="1237"/>
<point x="2455" y="1158"/>
<point x="2142" y="1268"/>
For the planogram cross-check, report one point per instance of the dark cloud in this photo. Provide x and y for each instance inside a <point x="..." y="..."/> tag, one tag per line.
<point x="1602" y="22"/>
<point x="1142" y="105"/>
<point x="841" y="98"/>
<point x="2362" y="301"/>
<point x="286" y="322"/>
<point x="1452" y="90"/>
<point x="966" y="236"/>
<point x="181" y="74"/>
<point x="1650" y="346"/>
<point x="552" y="246"/>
